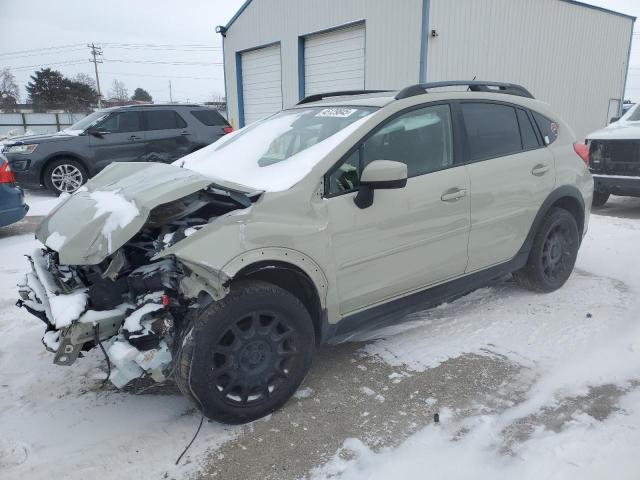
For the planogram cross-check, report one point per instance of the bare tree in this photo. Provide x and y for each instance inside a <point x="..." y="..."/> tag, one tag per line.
<point x="217" y="97"/>
<point x="9" y="90"/>
<point x="119" y="90"/>
<point x="85" y="79"/>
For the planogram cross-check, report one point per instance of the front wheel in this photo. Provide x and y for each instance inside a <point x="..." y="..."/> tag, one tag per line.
<point x="242" y="357"/>
<point x="553" y="254"/>
<point x="65" y="175"/>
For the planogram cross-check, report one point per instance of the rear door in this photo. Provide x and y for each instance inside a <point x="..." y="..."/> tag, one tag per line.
<point x="121" y="139"/>
<point x="511" y="174"/>
<point x="167" y="136"/>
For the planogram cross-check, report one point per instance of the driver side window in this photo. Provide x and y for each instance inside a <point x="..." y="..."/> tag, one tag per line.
<point x="121" y="122"/>
<point x="421" y="138"/>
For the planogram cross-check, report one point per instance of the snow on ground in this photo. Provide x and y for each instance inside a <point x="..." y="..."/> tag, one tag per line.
<point x="56" y="422"/>
<point x="584" y="336"/>
<point x="41" y="201"/>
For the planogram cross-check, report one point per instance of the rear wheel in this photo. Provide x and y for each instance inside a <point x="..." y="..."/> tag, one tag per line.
<point x="553" y="254"/>
<point x="243" y="357"/>
<point x="599" y="199"/>
<point x="65" y="175"/>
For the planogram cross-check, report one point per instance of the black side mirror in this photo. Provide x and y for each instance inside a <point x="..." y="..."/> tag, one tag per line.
<point x="614" y="119"/>
<point x="380" y="174"/>
<point x="95" y="132"/>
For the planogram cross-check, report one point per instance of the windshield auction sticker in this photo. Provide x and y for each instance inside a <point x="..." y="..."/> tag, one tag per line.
<point x="336" y="112"/>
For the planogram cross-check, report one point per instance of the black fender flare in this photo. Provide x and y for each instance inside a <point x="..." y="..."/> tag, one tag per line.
<point x="566" y="196"/>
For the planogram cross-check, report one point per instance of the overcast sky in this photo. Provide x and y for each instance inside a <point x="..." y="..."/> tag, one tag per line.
<point x="171" y="31"/>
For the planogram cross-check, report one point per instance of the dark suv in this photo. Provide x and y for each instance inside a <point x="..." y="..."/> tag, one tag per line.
<point x="143" y="133"/>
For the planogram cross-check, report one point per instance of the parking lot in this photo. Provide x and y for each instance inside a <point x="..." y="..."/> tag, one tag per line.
<point x="513" y="376"/>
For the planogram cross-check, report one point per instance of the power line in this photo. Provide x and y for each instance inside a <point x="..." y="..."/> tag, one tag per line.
<point x="189" y="77"/>
<point x="41" y="49"/>
<point x="69" y="62"/>
<point x="57" y="52"/>
<point x="159" y="62"/>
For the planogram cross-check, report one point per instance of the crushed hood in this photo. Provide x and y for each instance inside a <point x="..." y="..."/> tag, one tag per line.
<point x="618" y="131"/>
<point x="112" y="207"/>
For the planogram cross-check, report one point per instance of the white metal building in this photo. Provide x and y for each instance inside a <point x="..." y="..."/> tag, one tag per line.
<point x="571" y="55"/>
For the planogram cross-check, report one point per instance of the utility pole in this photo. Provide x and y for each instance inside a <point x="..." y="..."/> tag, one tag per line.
<point x="96" y="52"/>
<point x="170" y="96"/>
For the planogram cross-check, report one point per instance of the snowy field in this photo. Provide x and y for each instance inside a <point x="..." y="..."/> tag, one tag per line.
<point x="57" y="422"/>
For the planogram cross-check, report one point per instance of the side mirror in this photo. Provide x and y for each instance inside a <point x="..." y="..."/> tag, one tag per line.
<point x="614" y="119"/>
<point x="380" y="174"/>
<point x="95" y="132"/>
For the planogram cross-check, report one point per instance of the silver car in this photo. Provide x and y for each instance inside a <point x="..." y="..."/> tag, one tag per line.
<point x="229" y="268"/>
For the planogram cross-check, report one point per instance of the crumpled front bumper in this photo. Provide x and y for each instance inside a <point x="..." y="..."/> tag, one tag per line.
<point x="41" y="296"/>
<point x="71" y="329"/>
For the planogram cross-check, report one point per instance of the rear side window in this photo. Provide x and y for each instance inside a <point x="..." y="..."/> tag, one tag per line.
<point x="492" y="130"/>
<point x="209" y="117"/>
<point x="548" y="128"/>
<point x="529" y="137"/>
<point x="163" y="120"/>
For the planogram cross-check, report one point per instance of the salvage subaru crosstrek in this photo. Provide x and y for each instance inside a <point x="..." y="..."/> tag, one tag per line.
<point x="228" y="268"/>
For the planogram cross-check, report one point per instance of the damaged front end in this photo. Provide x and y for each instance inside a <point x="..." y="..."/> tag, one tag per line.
<point x="131" y="304"/>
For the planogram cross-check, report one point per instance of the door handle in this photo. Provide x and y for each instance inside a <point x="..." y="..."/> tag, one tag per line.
<point x="185" y="133"/>
<point x="453" y="194"/>
<point x="539" y="170"/>
<point x="134" y="137"/>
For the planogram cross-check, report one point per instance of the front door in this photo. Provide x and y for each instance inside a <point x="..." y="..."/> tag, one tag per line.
<point x="120" y="139"/>
<point x="409" y="238"/>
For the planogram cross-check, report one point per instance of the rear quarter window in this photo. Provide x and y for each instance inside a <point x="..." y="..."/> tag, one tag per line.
<point x="209" y="117"/>
<point x="548" y="128"/>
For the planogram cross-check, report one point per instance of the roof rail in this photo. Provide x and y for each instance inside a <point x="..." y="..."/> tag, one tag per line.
<point x="473" y="85"/>
<point x="344" y="93"/>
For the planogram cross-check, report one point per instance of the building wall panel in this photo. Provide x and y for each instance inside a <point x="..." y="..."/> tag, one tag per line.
<point x="570" y="56"/>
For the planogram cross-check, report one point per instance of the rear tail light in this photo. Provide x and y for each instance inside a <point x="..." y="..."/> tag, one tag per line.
<point x="6" y="175"/>
<point x="227" y="130"/>
<point x="583" y="152"/>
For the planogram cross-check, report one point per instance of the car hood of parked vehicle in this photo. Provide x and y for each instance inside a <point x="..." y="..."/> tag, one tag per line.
<point x="30" y="139"/>
<point x="621" y="130"/>
<point x="112" y="207"/>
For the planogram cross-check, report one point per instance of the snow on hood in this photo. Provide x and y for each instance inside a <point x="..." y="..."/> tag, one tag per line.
<point x="620" y="130"/>
<point x="111" y="208"/>
<point x="67" y="131"/>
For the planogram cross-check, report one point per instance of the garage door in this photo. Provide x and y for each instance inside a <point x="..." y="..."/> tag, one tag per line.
<point x="334" y="61"/>
<point x="261" y="83"/>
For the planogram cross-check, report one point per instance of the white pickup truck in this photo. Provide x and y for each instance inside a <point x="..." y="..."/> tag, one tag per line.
<point x="614" y="158"/>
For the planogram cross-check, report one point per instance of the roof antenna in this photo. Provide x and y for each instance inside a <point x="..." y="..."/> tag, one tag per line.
<point x="473" y="80"/>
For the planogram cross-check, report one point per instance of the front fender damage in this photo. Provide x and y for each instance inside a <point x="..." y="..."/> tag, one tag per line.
<point x="134" y="303"/>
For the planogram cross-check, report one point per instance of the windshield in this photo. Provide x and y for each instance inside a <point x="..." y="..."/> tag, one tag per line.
<point x="88" y="121"/>
<point x="277" y="152"/>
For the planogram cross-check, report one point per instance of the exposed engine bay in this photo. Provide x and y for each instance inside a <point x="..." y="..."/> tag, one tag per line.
<point x="131" y="305"/>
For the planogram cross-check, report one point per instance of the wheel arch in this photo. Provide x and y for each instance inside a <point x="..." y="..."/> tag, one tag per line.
<point x="60" y="155"/>
<point x="290" y="270"/>
<point x="566" y="197"/>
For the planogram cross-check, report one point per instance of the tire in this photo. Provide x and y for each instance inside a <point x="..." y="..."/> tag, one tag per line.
<point x="553" y="254"/>
<point x="599" y="199"/>
<point x="244" y="356"/>
<point x="65" y="175"/>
